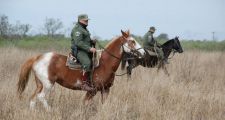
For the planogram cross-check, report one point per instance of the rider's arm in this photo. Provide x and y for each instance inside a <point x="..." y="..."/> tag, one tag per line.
<point x="78" y="41"/>
<point x="158" y="44"/>
<point x="149" y="39"/>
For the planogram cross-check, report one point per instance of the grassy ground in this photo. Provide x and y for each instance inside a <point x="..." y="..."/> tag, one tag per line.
<point x="194" y="91"/>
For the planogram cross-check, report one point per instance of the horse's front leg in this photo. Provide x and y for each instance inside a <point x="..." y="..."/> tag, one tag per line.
<point x="166" y="71"/>
<point x="163" y="66"/>
<point x="89" y="97"/>
<point x="104" y="94"/>
<point x="130" y="66"/>
<point x="160" y="65"/>
<point x="129" y="71"/>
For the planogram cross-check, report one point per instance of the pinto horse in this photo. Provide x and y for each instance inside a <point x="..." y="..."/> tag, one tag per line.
<point x="51" y="67"/>
<point x="151" y="61"/>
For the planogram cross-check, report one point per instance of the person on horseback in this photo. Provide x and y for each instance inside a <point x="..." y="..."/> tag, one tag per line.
<point x="83" y="49"/>
<point x="151" y="44"/>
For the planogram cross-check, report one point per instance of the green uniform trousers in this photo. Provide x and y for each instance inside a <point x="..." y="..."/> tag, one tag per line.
<point x="158" y="51"/>
<point x="85" y="60"/>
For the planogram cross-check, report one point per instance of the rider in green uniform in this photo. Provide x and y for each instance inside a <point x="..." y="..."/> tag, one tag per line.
<point x="82" y="48"/>
<point x="151" y="44"/>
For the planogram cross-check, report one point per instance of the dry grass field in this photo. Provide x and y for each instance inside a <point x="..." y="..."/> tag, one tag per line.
<point x="195" y="90"/>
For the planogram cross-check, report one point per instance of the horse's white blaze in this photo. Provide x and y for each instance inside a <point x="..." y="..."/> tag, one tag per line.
<point x="139" y="48"/>
<point x="41" y="69"/>
<point x="126" y="48"/>
<point x="122" y="48"/>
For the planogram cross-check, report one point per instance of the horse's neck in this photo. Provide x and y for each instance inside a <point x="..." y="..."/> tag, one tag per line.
<point x="167" y="53"/>
<point x="112" y="59"/>
<point x="167" y="48"/>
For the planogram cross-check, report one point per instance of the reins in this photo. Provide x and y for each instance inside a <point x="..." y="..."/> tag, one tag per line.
<point x="101" y="47"/>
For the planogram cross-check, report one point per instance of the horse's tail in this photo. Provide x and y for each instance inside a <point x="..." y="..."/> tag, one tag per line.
<point x="24" y="74"/>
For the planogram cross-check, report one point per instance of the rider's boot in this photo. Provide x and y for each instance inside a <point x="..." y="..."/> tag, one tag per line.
<point x="86" y="84"/>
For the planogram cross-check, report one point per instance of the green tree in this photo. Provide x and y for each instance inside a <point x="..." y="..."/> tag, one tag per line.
<point x="163" y="36"/>
<point x="4" y="25"/>
<point x="51" y="26"/>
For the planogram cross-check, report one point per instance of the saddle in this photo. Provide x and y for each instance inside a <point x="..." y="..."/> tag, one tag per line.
<point x="151" y="52"/>
<point x="73" y="63"/>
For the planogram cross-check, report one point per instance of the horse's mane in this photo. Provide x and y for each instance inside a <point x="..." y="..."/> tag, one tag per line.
<point x="167" y="42"/>
<point x="113" y="39"/>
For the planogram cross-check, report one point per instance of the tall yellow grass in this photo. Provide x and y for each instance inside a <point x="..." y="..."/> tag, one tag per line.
<point x="195" y="90"/>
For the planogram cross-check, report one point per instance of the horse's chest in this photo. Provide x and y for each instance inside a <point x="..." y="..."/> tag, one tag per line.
<point x="105" y="82"/>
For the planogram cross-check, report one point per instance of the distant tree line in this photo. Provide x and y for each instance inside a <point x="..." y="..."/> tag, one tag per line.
<point x="8" y="30"/>
<point x="161" y="37"/>
<point x="51" y="28"/>
<point x="19" y="30"/>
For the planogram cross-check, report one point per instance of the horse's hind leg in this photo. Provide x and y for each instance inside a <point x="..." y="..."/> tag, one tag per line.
<point x="160" y="65"/>
<point x="34" y="96"/>
<point x="46" y="89"/>
<point x="166" y="71"/>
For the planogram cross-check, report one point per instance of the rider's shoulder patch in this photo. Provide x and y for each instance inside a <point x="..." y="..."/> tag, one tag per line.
<point x="77" y="33"/>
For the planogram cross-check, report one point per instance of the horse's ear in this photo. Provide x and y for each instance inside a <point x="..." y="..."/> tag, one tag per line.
<point x="128" y="32"/>
<point x="124" y="33"/>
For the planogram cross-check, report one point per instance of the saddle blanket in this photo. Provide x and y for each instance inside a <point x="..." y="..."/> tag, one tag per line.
<point x="73" y="63"/>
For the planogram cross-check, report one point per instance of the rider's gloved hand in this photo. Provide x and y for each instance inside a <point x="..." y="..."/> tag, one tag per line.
<point x="92" y="49"/>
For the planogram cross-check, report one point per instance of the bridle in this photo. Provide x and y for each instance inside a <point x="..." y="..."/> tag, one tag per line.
<point x="174" y="50"/>
<point x="134" y="51"/>
<point x="122" y="44"/>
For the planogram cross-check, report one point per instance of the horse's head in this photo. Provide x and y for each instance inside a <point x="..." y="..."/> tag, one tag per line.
<point x="131" y="45"/>
<point x="176" y="45"/>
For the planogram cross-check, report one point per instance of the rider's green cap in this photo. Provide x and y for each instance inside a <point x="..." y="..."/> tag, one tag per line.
<point x="152" y="28"/>
<point x="83" y="17"/>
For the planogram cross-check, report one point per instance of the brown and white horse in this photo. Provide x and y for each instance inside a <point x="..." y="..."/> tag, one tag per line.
<point x="51" y="67"/>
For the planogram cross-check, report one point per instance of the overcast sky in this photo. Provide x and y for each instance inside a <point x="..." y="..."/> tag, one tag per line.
<point x="189" y="19"/>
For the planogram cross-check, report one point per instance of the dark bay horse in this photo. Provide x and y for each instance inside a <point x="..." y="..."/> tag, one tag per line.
<point x="51" y="67"/>
<point x="151" y="61"/>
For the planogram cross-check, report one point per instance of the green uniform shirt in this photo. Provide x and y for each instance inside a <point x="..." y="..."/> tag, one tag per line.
<point x="81" y="38"/>
<point x="149" y="41"/>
